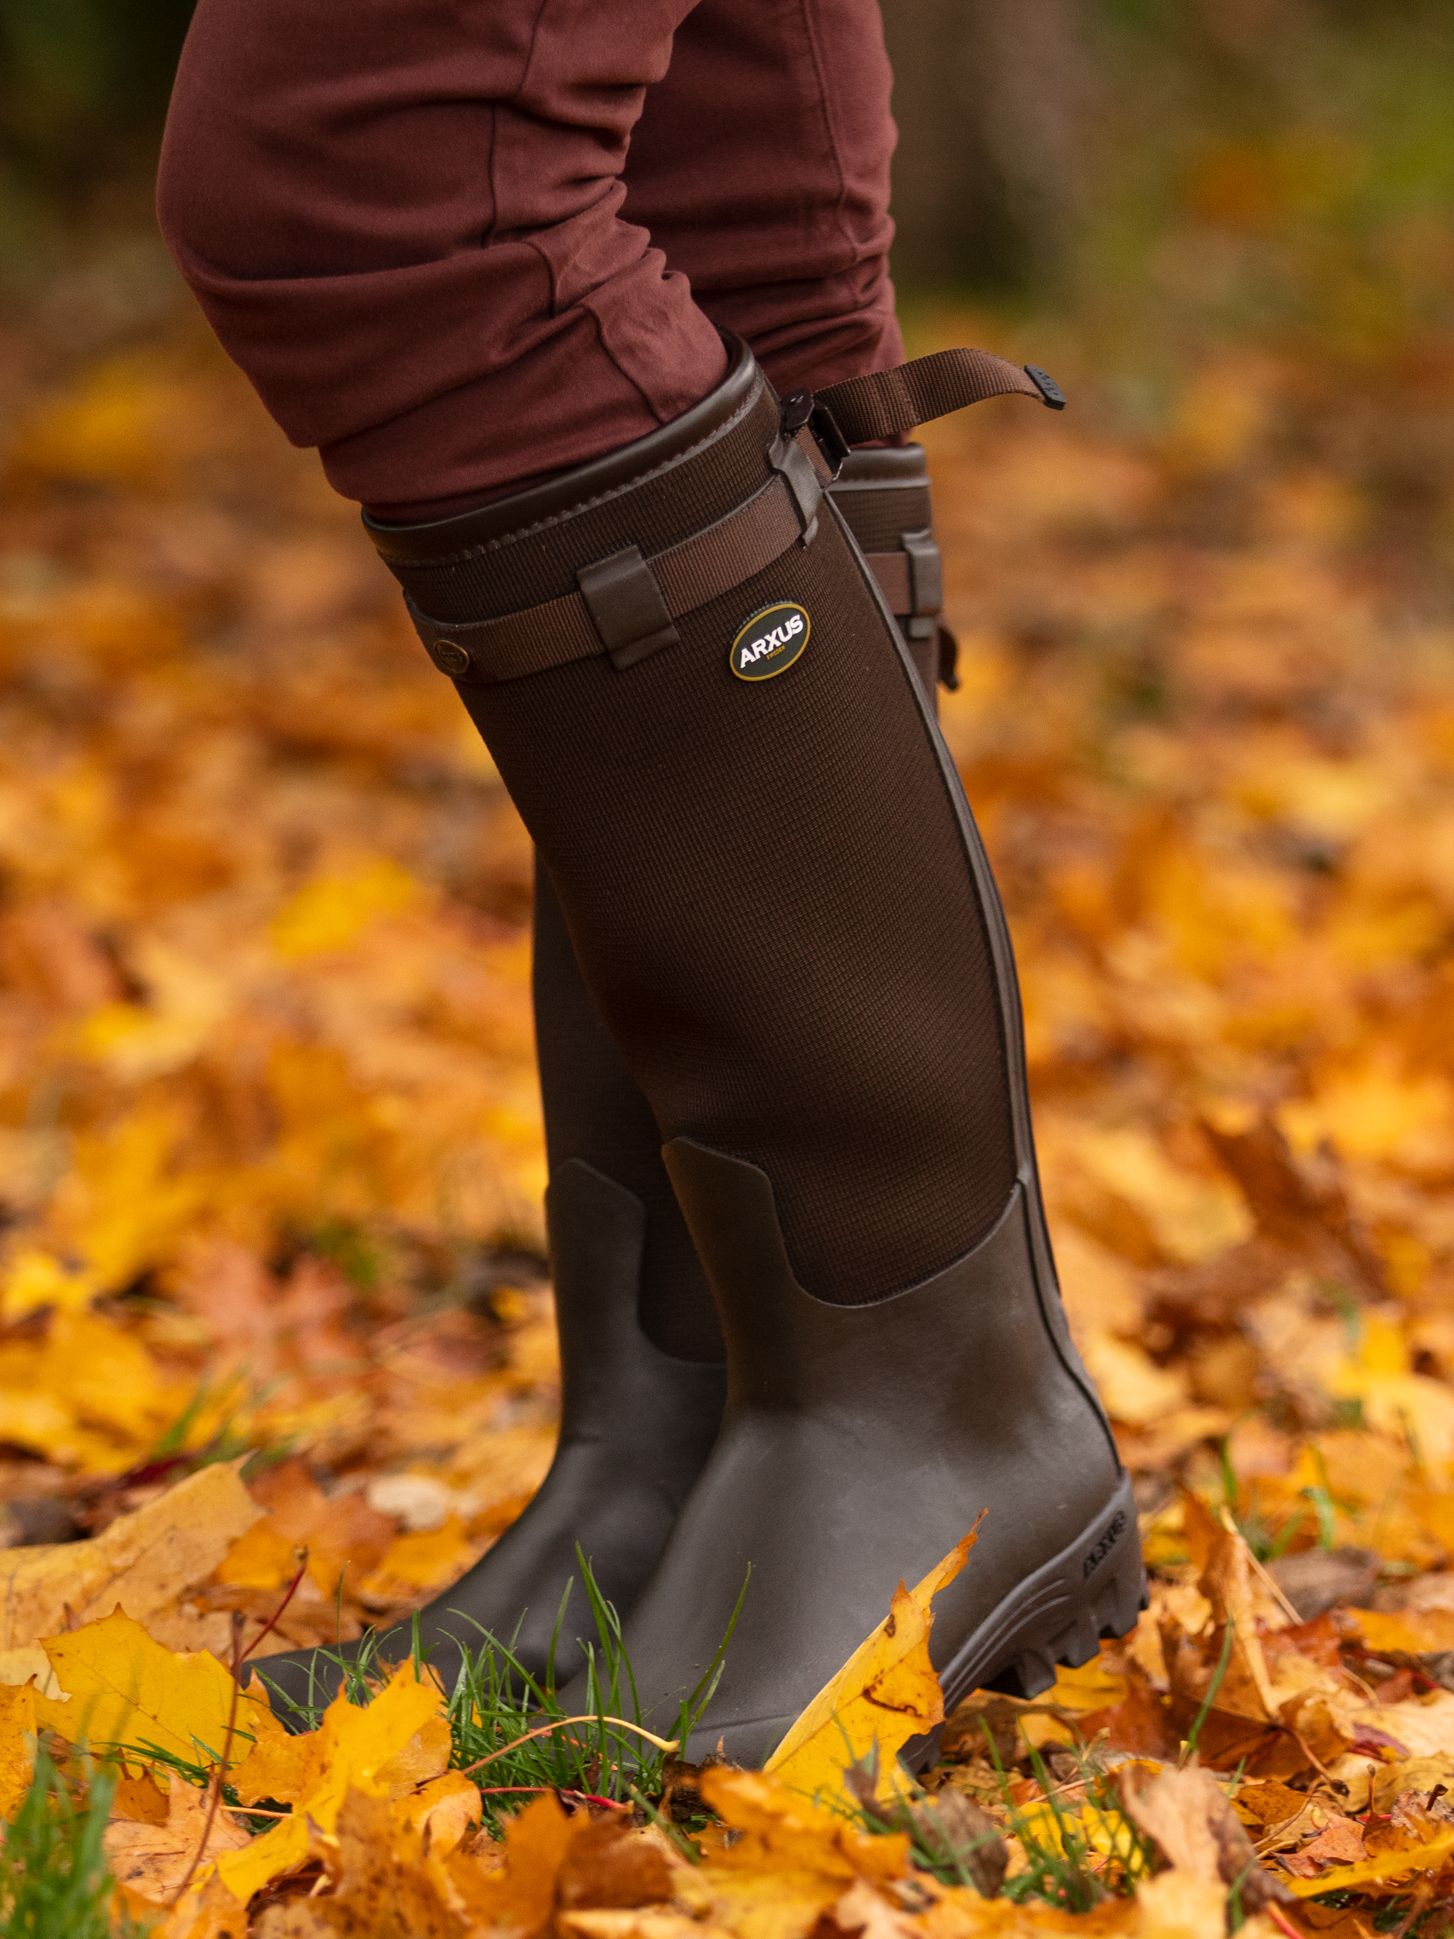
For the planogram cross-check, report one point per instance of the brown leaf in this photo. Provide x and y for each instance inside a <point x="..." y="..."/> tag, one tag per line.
<point x="1317" y="1580"/>
<point x="1340" y="1842"/>
<point x="613" y="1865"/>
<point x="151" y="1860"/>
<point x="947" y="1826"/>
<point x="1187" y="1817"/>
<point x="145" y="1561"/>
<point x="1300" y="1202"/>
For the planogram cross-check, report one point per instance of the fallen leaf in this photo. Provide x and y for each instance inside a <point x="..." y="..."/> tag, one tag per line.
<point x="17" y="1746"/>
<point x="1383" y="1873"/>
<point x="151" y="1861"/>
<point x="145" y="1562"/>
<point x="1187" y="1817"/>
<point x="885" y="1694"/>
<point x="121" y="1688"/>
<point x="386" y="1748"/>
<point x="382" y="1885"/>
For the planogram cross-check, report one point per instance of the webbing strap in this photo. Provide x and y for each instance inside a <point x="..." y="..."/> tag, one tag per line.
<point x="887" y="403"/>
<point x="626" y="605"/>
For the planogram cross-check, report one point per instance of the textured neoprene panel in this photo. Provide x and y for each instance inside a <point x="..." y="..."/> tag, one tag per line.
<point x="878" y="519"/>
<point x="766" y="883"/>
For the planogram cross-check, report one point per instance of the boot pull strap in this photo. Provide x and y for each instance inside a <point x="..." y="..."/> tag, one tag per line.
<point x="889" y="403"/>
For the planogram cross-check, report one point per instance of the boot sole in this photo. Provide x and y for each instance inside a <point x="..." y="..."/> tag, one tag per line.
<point x="1055" y="1619"/>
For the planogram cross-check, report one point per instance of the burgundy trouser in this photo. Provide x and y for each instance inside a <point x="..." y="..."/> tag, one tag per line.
<point x="457" y="244"/>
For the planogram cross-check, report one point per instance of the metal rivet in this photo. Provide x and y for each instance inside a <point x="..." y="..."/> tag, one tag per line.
<point x="450" y="657"/>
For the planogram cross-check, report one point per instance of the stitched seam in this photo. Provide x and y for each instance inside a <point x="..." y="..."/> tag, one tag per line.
<point x="519" y="88"/>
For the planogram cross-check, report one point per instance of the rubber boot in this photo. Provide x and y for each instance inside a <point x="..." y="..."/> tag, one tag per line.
<point x="642" y="1380"/>
<point x="695" y="693"/>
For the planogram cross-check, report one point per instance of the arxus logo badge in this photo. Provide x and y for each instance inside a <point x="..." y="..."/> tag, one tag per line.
<point x="771" y="641"/>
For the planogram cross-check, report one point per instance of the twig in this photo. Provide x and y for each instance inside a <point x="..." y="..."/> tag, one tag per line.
<point x="1280" y="1919"/>
<point x="214" y="1799"/>
<point x="1274" y="1588"/>
<point x="272" y="1622"/>
<point x="559" y="1723"/>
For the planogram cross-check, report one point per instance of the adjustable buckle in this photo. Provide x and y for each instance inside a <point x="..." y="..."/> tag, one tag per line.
<point x="801" y="410"/>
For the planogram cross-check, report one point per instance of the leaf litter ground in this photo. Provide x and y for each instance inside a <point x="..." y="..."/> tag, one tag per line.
<point x="274" y="1333"/>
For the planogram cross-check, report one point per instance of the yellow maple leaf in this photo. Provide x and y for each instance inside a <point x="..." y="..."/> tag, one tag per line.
<point x="151" y="1861"/>
<point x="779" y="1827"/>
<point x="789" y="1860"/>
<point x="383" y="1885"/>
<point x="123" y="1688"/>
<point x="386" y="1748"/>
<point x="886" y="1693"/>
<point x="520" y="1895"/>
<point x="206" y="1910"/>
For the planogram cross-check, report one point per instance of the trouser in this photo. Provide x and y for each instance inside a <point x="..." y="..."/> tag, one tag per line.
<point x="459" y="244"/>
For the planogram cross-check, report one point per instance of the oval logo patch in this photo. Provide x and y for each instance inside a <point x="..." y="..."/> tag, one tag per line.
<point x="770" y="641"/>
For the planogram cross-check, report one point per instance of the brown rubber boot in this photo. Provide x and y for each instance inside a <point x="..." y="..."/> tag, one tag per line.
<point x="695" y="694"/>
<point x="642" y="1380"/>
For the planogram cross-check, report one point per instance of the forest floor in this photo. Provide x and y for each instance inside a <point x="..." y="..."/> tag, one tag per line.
<point x="270" y="1166"/>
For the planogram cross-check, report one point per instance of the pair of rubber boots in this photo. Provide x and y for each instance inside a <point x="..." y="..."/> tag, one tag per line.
<point x="809" y="1321"/>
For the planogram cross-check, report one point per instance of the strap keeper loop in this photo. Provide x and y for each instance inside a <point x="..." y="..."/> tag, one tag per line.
<point x="797" y="471"/>
<point x="926" y="578"/>
<point x="626" y="607"/>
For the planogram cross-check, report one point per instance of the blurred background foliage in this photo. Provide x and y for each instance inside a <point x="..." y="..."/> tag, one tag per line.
<point x="1142" y="190"/>
<point x="1249" y="162"/>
